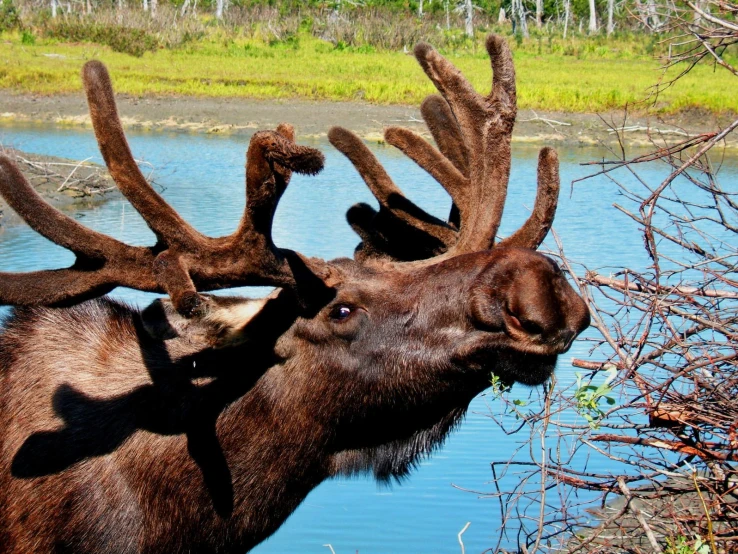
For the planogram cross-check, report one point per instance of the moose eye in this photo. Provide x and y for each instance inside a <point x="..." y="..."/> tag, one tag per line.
<point x="341" y="312"/>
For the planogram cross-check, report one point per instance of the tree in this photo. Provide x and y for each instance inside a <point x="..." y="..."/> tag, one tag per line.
<point x="468" y="18"/>
<point x="518" y="15"/>
<point x="592" y="17"/>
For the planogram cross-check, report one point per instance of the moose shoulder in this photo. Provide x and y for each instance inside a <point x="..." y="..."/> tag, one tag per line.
<point x="200" y="423"/>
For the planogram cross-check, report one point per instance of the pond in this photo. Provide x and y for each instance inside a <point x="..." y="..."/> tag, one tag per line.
<point x="202" y="177"/>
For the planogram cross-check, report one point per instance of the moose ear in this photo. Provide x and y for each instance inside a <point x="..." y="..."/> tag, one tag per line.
<point x="223" y="321"/>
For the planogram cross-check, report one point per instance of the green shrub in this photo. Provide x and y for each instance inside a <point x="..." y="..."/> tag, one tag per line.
<point x="128" y="40"/>
<point x="9" y="17"/>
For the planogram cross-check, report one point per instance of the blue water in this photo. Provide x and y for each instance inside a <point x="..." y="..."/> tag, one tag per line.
<point x="202" y="177"/>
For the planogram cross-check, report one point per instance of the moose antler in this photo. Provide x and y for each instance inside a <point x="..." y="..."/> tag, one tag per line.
<point x="472" y="163"/>
<point x="183" y="261"/>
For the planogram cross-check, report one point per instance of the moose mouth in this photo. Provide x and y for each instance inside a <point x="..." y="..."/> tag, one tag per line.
<point x="512" y="366"/>
<point x="528" y="369"/>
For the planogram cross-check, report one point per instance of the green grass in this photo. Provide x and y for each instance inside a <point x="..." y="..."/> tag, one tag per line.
<point x="577" y="79"/>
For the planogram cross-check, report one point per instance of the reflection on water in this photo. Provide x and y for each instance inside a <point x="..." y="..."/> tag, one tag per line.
<point x="203" y="180"/>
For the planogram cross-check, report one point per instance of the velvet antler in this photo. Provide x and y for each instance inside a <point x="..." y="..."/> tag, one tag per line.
<point x="183" y="261"/>
<point x="472" y="163"/>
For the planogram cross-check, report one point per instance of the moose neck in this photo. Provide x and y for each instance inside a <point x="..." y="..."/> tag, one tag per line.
<point x="282" y="438"/>
<point x="272" y="458"/>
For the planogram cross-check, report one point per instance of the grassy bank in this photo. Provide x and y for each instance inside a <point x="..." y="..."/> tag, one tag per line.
<point x="577" y="78"/>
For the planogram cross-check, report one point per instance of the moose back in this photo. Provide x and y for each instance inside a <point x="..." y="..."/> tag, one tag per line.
<point x="200" y="423"/>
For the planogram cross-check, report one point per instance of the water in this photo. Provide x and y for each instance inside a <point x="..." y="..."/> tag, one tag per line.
<point x="202" y="178"/>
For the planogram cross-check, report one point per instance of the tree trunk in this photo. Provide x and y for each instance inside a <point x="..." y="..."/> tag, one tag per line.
<point x="610" y="12"/>
<point x="539" y="13"/>
<point x="448" y="18"/>
<point x="469" y="19"/>
<point x="592" y="18"/>
<point x="219" y="5"/>
<point x="696" y="17"/>
<point x="518" y="16"/>
<point x="502" y="18"/>
<point x="653" y="15"/>
<point x="567" y="6"/>
<point x="154" y="6"/>
<point x="146" y="5"/>
<point x="420" y="8"/>
<point x="53" y="9"/>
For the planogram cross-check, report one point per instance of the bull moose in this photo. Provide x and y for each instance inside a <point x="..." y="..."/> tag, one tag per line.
<point x="201" y="422"/>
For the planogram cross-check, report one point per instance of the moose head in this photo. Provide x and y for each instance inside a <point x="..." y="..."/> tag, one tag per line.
<point x="203" y="421"/>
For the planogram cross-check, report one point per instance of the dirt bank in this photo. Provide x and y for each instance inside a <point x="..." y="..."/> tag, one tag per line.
<point x="233" y="115"/>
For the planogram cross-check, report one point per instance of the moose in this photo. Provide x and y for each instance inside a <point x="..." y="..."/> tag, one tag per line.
<point x="201" y="422"/>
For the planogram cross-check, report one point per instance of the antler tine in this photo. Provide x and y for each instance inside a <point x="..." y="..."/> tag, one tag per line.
<point x="397" y="215"/>
<point x="159" y="216"/>
<point x="486" y="127"/>
<point x="537" y="226"/>
<point x="271" y="158"/>
<point x="387" y="237"/>
<point x="445" y="130"/>
<point x="47" y="221"/>
<point x="443" y="126"/>
<point x="434" y="162"/>
<point x="248" y="256"/>
<point x="102" y="262"/>
<point x="54" y="287"/>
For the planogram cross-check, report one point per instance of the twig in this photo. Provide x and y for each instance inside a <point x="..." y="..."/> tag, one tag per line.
<point x="652" y="288"/>
<point x="549" y="122"/>
<point x="673" y="446"/>
<point x="713" y="19"/>
<point x="461" y="542"/>
<point x="690" y="162"/>
<point x="612" y="519"/>
<point x="710" y="533"/>
<point x="639" y="516"/>
<point x="637" y="128"/>
<point x="76" y="167"/>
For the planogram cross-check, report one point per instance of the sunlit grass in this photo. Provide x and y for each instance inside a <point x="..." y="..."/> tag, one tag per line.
<point x="589" y="81"/>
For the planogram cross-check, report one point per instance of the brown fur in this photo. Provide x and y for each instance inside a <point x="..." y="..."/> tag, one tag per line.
<point x="139" y="444"/>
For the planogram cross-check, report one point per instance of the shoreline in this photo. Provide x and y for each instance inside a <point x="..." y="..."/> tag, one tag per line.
<point x="313" y="119"/>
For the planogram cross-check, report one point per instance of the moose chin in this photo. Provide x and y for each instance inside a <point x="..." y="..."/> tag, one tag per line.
<point x="201" y="422"/>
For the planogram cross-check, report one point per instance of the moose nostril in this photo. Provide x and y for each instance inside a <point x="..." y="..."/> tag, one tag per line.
<point x="530" y="327"/>
<point x="523" y="323"/>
